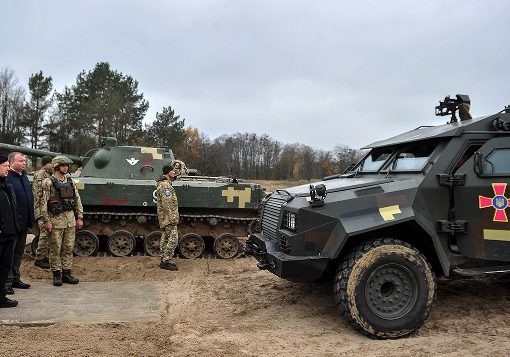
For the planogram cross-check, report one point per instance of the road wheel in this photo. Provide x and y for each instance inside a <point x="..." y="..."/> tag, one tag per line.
<point x="151" y="243"/>
<point x="34" y="244"/>
<point x="121" y="243"/>
<point x="191" y="246"/>
<point x="226" y="246"/>
<point x="385" y="288"/>
<point x="85" y="243"/>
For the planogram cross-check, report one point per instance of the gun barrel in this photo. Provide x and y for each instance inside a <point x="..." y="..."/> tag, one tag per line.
<point x="38" y="153"/>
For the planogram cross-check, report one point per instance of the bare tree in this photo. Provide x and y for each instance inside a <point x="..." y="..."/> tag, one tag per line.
<point x="345" y="156"/>
<point x="12" y="97"/>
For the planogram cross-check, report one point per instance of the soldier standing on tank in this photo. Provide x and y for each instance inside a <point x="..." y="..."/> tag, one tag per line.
<point x="168" y="214"/>
<point x="61" y="212"/>
<point x="41" y="254"/>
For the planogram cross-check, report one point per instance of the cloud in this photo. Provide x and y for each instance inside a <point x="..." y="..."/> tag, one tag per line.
<point x="320" y="73"/>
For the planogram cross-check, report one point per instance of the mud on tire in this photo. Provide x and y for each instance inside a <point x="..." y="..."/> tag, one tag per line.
<point x="385" y="288"/>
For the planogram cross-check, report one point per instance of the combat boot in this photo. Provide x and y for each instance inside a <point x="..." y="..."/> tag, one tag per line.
<point x="168" y="266"/>
<point x="68" y="278"/>
<point x="6" y="302"/>
<point x="42" y="263"/>
<point x="57" y="278"/>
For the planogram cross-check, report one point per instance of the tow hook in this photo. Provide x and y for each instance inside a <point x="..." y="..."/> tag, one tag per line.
<point x="263" y="265"/>
<point x="251" y="249"/>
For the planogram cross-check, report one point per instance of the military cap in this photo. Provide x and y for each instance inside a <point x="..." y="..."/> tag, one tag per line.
<point x="46" y="160"/>
<point x="61" y="160"/>
<point x="167" y="168"/>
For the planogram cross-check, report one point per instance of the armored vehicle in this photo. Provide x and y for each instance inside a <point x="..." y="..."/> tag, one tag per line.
<point x="429" y="202"/>
<point x="117" y="189"/>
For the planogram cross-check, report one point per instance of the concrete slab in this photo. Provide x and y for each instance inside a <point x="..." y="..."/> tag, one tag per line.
<point x="44" y="303"/>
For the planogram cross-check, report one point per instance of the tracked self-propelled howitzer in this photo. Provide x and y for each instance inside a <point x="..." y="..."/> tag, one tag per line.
<point x="117" y="189"/>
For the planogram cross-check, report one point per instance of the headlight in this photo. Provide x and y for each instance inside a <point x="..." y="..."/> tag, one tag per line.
<point x="289" y="221"/>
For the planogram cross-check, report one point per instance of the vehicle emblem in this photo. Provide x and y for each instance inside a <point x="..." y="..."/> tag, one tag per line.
<point x="132" y="161"/>
<point x="499" y="202"/>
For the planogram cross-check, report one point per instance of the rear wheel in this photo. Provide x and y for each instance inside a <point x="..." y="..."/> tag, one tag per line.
<point x="385" y="288"/>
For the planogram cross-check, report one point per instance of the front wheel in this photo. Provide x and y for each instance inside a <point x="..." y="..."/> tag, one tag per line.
<point x="385" y="288"/>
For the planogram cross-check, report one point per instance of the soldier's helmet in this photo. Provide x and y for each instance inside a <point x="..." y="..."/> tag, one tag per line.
<point x="61" y="160"/>
<point x="179" y="167"/>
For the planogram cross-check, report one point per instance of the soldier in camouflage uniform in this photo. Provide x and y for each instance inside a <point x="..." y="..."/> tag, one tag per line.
<point x="168" y="214"/>
<point x="41" y="254"/>
<point x="61" y="212"/>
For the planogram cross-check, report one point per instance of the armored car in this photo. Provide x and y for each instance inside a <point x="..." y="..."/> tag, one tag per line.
<point x="428" y="203"/>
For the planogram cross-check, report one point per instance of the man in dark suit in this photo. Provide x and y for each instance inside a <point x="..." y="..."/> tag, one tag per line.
<point x="25" y="203"/>
<point x="9" y="230"/>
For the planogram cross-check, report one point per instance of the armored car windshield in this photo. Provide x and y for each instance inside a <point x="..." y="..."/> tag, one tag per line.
<point x="375" y="159"/>
<point x="411" y="157"/>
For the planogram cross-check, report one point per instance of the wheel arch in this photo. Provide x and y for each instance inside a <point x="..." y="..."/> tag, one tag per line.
<point x="410" y="232"/>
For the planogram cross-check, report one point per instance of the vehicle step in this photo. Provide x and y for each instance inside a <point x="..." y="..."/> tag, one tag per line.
<point x="482" y="270"/>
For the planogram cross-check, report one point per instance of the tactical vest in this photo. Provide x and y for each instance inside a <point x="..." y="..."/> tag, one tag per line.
<point x="64" y="199"/>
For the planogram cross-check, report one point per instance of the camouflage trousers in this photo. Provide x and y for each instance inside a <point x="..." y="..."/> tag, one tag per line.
<point x="42" y="246"/>
<point x="168" y="243"/>
<point x="61" y="248"/>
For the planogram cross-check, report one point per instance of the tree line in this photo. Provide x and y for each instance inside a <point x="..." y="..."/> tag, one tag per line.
<point x="105" y="102"/>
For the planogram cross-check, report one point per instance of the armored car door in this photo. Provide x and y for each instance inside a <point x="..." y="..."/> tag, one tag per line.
<point x="483" y="202"/>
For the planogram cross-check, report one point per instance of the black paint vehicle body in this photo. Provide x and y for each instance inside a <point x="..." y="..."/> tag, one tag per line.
<point x="426" y="203"/>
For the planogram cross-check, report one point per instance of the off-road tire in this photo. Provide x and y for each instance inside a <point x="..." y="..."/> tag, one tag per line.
<point x="385" y="288"/>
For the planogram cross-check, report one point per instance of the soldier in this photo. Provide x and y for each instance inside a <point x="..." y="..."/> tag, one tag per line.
<point x="41" y="254"/>
<point x="168" y="214"/>
<point x="61" y="212"/>
<point x="179" y="167"/>
<point x="464" y="111"/>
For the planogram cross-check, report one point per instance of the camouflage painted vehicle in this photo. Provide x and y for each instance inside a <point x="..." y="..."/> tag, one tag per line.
<point x="426" y="203"/>
<point x="117" y="189"/>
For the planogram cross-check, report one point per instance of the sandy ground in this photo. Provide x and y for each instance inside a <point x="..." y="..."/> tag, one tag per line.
<point x="213" y="307"/>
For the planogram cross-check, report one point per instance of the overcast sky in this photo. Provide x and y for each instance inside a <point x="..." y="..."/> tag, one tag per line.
<point x="320" y="73"/>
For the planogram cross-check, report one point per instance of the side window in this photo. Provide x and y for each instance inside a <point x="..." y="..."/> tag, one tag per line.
<point x="498" y="162"/>
<point x="466" y="155"/>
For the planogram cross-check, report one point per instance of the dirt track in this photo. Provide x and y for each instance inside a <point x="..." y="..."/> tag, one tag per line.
<point x="215" y="307"/>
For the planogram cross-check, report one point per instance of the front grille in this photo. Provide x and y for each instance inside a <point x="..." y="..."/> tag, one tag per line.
<point x="271" y="215"/>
